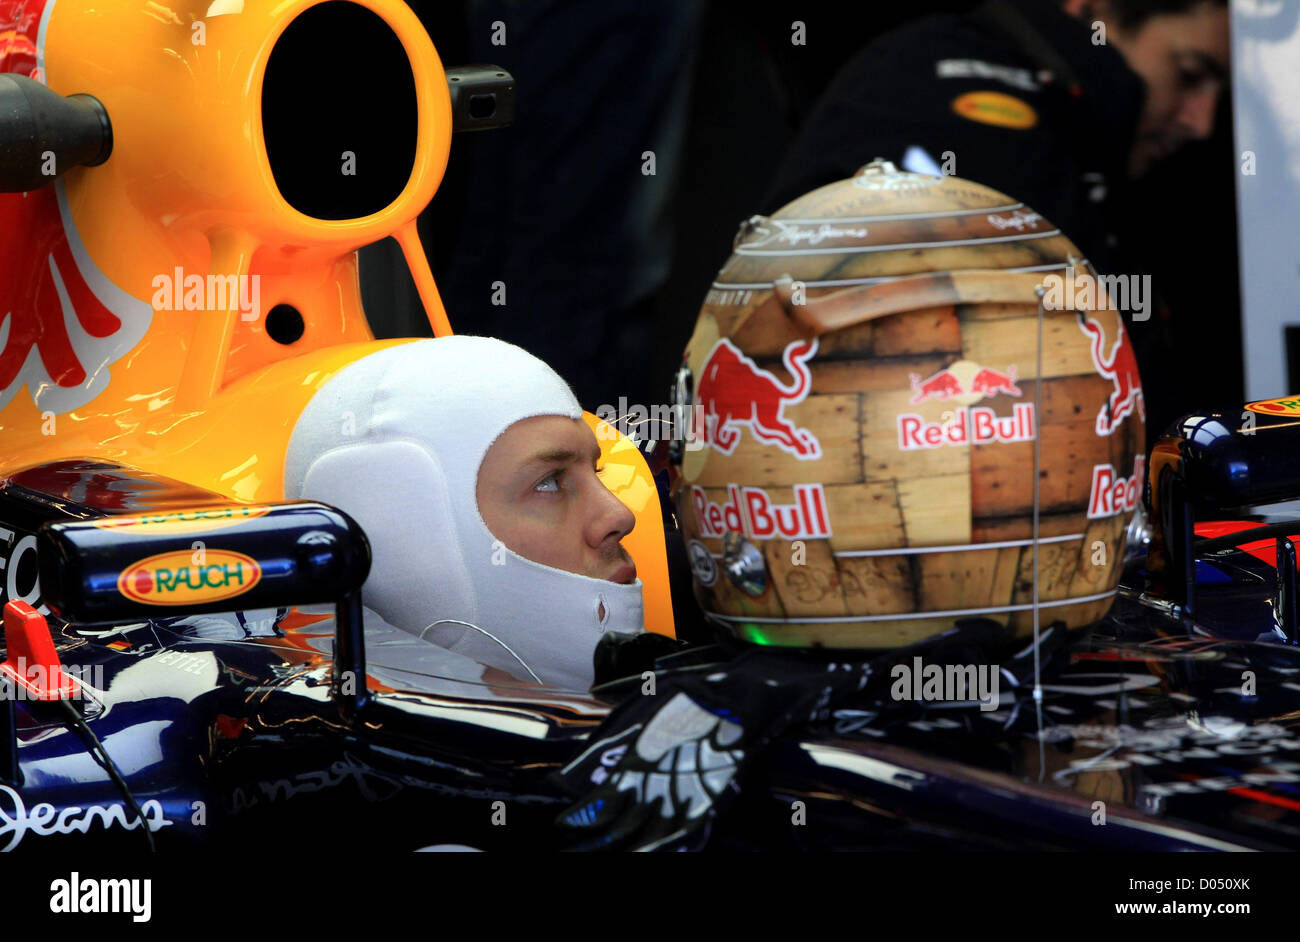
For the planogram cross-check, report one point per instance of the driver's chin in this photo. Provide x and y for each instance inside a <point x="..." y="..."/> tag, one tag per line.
<point x="1149" y="151"/>
<point x="1141" y="159"/>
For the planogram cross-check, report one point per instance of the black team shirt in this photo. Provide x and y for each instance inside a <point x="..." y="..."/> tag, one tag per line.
<point x="1015" y="95"/>
<point x="1060" y="146"/>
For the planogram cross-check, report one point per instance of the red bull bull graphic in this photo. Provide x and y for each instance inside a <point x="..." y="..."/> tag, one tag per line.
<point x="989" y="382"/>
<point x="964" y="379"/>
<point x="734" y="392"/>
<point x="749" y="510"/>
<point x="1121" y="369"/>
<point x="65" y="322"/>
<point x="942" y="385"/>
<point x="18" y="45"/>
<point x="62" y="322"/>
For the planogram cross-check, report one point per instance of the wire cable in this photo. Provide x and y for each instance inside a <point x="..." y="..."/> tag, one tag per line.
<point x="483" y="631"/>
<point x="77" y="722"/>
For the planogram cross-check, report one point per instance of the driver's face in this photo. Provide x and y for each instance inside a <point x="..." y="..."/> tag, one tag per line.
<point x="540" y="494"/>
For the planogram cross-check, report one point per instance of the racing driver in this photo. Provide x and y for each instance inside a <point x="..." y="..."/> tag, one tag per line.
<point x="468" y="464"/>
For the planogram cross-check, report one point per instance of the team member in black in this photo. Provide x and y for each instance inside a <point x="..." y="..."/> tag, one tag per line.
<point x="1051" y="104"/>
<point x="1058" y="105"/>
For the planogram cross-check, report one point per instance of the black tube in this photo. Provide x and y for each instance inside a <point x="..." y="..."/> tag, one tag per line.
<point x="44" y="134"/>
<point x="350" y="655"/>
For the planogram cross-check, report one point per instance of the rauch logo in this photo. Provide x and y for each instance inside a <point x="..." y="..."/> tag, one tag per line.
<point x="185" y="521"/>
<point x="173" y="578"/>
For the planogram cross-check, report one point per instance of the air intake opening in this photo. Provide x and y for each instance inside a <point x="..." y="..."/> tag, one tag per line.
<point x="338" y="112"/>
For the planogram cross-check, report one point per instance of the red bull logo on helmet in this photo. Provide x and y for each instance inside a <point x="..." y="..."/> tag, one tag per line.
<point x="977" y="426"/>
<point x="942" y="385"/>
<point x="965" y="381"/>
<point x="749" y="510"/>
<point x="734" y="393"/>
<point x="1112" y="494"/>
<point x="1120" y="367"/>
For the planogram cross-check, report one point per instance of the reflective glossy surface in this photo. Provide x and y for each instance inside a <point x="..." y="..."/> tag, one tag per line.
<point x="139" y="317"/>
<point x="228" y="731"/>
<point x="137" y="292"/>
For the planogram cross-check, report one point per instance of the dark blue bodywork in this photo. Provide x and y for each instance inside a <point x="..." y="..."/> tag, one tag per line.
<point x="1154" y="730"/>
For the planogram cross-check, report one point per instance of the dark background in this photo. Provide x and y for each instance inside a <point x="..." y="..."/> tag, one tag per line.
<point x="605" y="268"/>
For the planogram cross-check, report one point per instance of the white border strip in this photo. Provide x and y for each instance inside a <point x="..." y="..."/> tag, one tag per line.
<point x="961" y="548"/>
<point x="40" y="40"/>
<point x="898" y="217"/>
<point x="905" y="616"/>
<point x="958" y="548"/>
<point x="845" y="282"/>
<point x="898" y="246"/>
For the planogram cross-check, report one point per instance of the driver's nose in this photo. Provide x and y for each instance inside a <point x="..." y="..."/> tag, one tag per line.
<point x="611" y="518"/>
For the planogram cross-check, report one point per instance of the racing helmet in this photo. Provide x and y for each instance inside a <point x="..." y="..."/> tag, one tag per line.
<point x="875" y="375"/>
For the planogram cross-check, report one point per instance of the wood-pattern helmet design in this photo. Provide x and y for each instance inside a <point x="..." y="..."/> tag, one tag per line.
<point x="870" y="383"/>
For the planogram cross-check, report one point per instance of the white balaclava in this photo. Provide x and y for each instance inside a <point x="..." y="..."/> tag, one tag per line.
<point x="395" y="440"/>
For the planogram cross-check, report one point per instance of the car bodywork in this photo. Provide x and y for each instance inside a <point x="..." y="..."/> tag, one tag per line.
<point x="1154" y="730"/>
<point x="1167" y="726"/>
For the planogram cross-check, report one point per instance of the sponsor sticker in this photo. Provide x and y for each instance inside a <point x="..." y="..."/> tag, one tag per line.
<point x="779" y="232"/>
<point x="42" y="819"/>
<point x="1112" y="494"/>
<point x="702" y="564"/>
<point x="181" y="521"/>
<point x="977" y="426"/>
<point x="749" y="510"/>
<point x="1288" y="406"/>
<point x="966" y="383"/>
<point x="1120" y="367"/>
<point x="734" y="393"/>
<point x="995" y="108"/>
<point x="977" y="69"/>
<point x="174" y="579"/>
<point x="1019" y="220"/>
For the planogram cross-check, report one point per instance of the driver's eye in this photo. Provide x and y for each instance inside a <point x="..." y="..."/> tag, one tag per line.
<point x="549" y="484"/>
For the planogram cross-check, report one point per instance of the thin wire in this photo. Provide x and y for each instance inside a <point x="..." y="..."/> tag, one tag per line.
<point x="77" y="722"/>
<point x="454" y="621"/>
<point x="1041" y="291"/>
